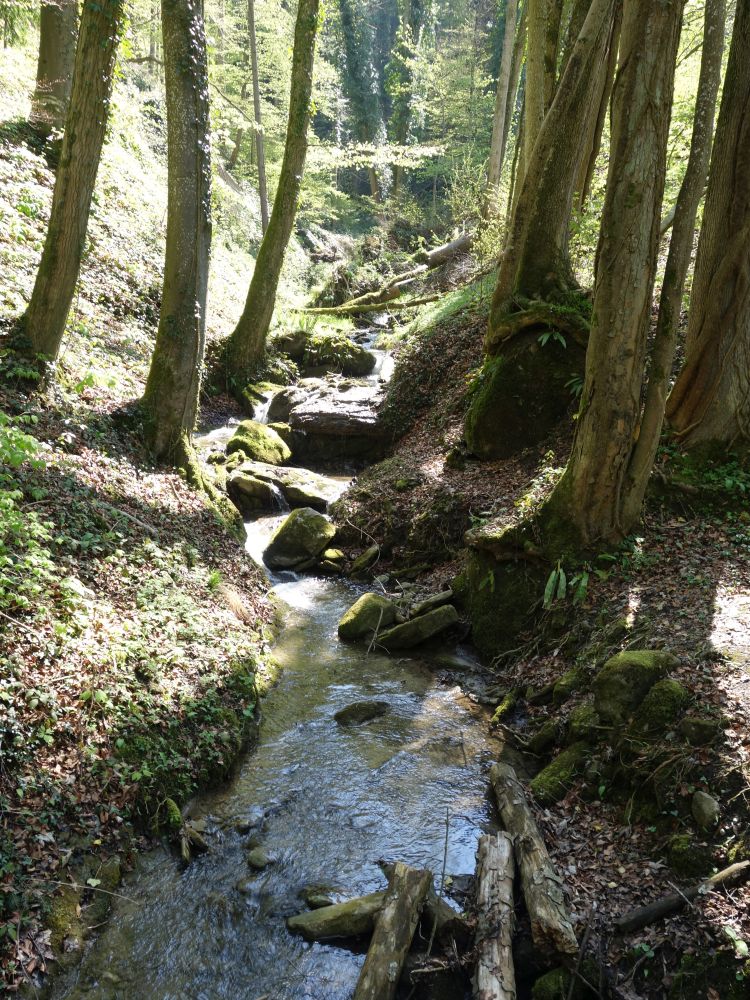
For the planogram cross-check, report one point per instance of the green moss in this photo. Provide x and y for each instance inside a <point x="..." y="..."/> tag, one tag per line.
<point x="584" y="723"/>
<point x="63" y="919"/>
<point x="625" y="680"/>
<point x="259" y="443"/>
<point x="553" y="781"/>
<point x="575" y="679"/>
<point x="170" y="819"/>
<point x="661" y="708"/>
<point x="688" y="857"/>
<point x="727" y="977"/>
<point x="545" y="737"/>
<point x="337" y="352"/>
<point x="740" y="850"/>
<point x="699" y="730"/>
<point x="505" y="707"/>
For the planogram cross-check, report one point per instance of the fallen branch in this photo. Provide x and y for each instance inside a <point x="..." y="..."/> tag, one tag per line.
<point x="394" y="930"/>
<point x="664" y="907"/>
<point x="551" y="928"/>
<point x="495" y="978"/>
<point x="351" y="310"/>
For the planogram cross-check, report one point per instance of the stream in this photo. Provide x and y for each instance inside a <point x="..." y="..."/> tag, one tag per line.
<point x="326" y="802"/>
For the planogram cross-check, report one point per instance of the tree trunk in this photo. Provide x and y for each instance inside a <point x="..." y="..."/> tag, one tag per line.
<point x="535" y="76"/>
<point x="515" y="77"/>
<point x="678" y="259"/>
<point x="86" y="124"/>
<point x="58" y="28"/>
<point x="236" y="147"/>
<point x="709" y="406"/>
<point x="247" y="343"/>
<point x="170" y="401"/>
<point x="536" y="261"/>
<point x="394" y="929"/>
<point x="551" y="49"/>
<point x="259" y="137"/>
<point x="495" y="165"/>
<point x="586" y="507"/>
<point x="494" y="978"/>
<point x="551" y="929"/>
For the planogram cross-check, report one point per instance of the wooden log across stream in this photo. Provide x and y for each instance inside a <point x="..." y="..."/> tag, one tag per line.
<point x="494" y="978"/>
<point x="551" y="929"/>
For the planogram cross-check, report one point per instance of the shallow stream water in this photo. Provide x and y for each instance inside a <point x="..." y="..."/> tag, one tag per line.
<point x="326" y="802"/>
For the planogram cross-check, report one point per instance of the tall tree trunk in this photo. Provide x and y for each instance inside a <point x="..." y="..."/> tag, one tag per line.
<point x="247" y="343"/>
<point x="678" y="259"/>
<point x="578" y="11"/>
<point x="85" y="127"/>
<point x="515" y="77"/>
<point x="709" y="406"/>
<point x="535" y="76"/>
<point x="170" y="401"/>
<point x="58" y="28"/>
<point x="586" y="507"/>
<point x="259" y="137"/>
<point x="536" y="262"/>
<point x="495" y="165"/>
<point x="551" y="49"/>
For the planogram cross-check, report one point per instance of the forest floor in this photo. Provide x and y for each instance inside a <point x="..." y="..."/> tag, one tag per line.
<point x="682" y="584"/>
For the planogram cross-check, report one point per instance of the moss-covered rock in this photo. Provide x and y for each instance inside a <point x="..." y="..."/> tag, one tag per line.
<point x="64" y="921"/>
<point x="331" y="351"/>
<point x="545" y="738"/>
<point x="689" y="857"/>
<point x="365" y="560"/>
<point x="419" y="630"/>
<point x="302" y="536"/>
<point x="699" y="730"/>
<point x="506" y="706"/>
<point x="660" y="709"/>
<point x="170" y="818"/>
<point x="553" y="782"/>
<point x="625" y="680"/>
<point x="575" y="679"/>
<point x="360" y="711"/>
<point x="584" y="723"/>
<point x="520" y="396"/>
<point x="369" y="613"/>
<point x="259" y="442"/>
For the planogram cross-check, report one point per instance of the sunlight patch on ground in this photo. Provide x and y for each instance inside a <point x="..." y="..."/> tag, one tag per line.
<point x="731" y="625"/>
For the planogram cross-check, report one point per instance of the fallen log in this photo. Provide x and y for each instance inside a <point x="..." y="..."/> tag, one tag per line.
<point x="664" y="907"/>
<point x="449" y="925"/>
<point x="352" y="309"/>
<point x="495" y="977"/>
<point x="551" y="929"/>
<point x="394" y="930"/>
<point x="354" y="918"/>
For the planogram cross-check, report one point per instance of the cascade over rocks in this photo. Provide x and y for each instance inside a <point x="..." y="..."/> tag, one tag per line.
<point x="298" y="487"/>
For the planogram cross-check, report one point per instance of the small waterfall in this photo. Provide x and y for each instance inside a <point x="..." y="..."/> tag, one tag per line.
<point x="260" y="412"/>
<point x="280" y="504"/>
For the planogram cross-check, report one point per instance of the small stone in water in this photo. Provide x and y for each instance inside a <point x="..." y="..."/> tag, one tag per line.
<point x="259" y="858"/>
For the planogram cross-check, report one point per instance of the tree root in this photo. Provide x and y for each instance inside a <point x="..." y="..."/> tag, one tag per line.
<point x="536" y="316"/>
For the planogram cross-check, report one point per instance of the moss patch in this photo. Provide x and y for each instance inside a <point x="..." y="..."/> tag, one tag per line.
<point x="688" y="857"/>
<point x="661" y="707"/>
<point x="259" y="443"/>
<point x="553" y="781"/>
<point x="337" y="352"/>
<point x="625" y="680"/>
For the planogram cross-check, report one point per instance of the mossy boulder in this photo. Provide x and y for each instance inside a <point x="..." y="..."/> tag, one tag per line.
<point x="506" y="706"/>
<point x="64" y="921"/>
<point x="249" y="494"/>
<point x="661" y="708"/>
<point x="300" y="537"/>
<point x="575" y="679"/>
<point x="259" y="442"/>
<point x="553" y="782"/>
<point x="331" y="351"/>
<point x="545" y="738"/>
<point x="689" y="858"/>
<point x="521" y="395"/>
<point x="584" y="723"/>
<point x="369" y="613"/>
<point x="625" y="680"/>
<point x="699" y="730"/>
<point x="419" y="630"/>
<point x="365" y="560"/>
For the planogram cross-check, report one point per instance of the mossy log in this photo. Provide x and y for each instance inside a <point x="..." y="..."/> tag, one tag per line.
<point x="495" y="977"/>
<point x="551" y="928"/>
<point x="393" y="933"/>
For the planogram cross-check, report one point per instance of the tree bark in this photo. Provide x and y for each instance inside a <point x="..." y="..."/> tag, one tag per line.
<point x="536" y="262"/>
<point x="86" y="124"/>
<point x="58" y="29"/>
<point x="170" y="401"/>
<point x="586" y="507"/>
<point x="515" y="77"/>
<point x="494" y="978"/>
<point x="709" y="406"/>
<point x="535" y="77"/>
<point x="495" y="166"/>
<point x="247" y="343"/>
<point x="259" y="137"/>
<point x="551" y="929"/>
<point x="551" y="50"/>
<point x="678" y="259"/>
<point x="394" y="930"/>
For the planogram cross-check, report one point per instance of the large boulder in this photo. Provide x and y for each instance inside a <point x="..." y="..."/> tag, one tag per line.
<point x="298" y="487"/>
<point x="335" y="352"/>
<point x="339" y="425"/>
<point x="369" y="613"/>
<point x="302" y="536"/>
<point x="625" y="680"/>
<point x="259" y="443"/>
<point x="251" y="495"/>
<point x="419" y="630"/>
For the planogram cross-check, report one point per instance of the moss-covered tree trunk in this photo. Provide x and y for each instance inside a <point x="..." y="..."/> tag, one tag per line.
<point x="552" y="48"/>
<point x="536" y="262"/>
<point x="709" y="406"/>
<point x="247" y="343"/>
<point x="678" y="259"/>
<point x="58" y="30"/>
<point x="47" y="313"/>
<point x="170" y="401"/>
<point x="587" y="508"/>
<point x="502" y="108"/>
